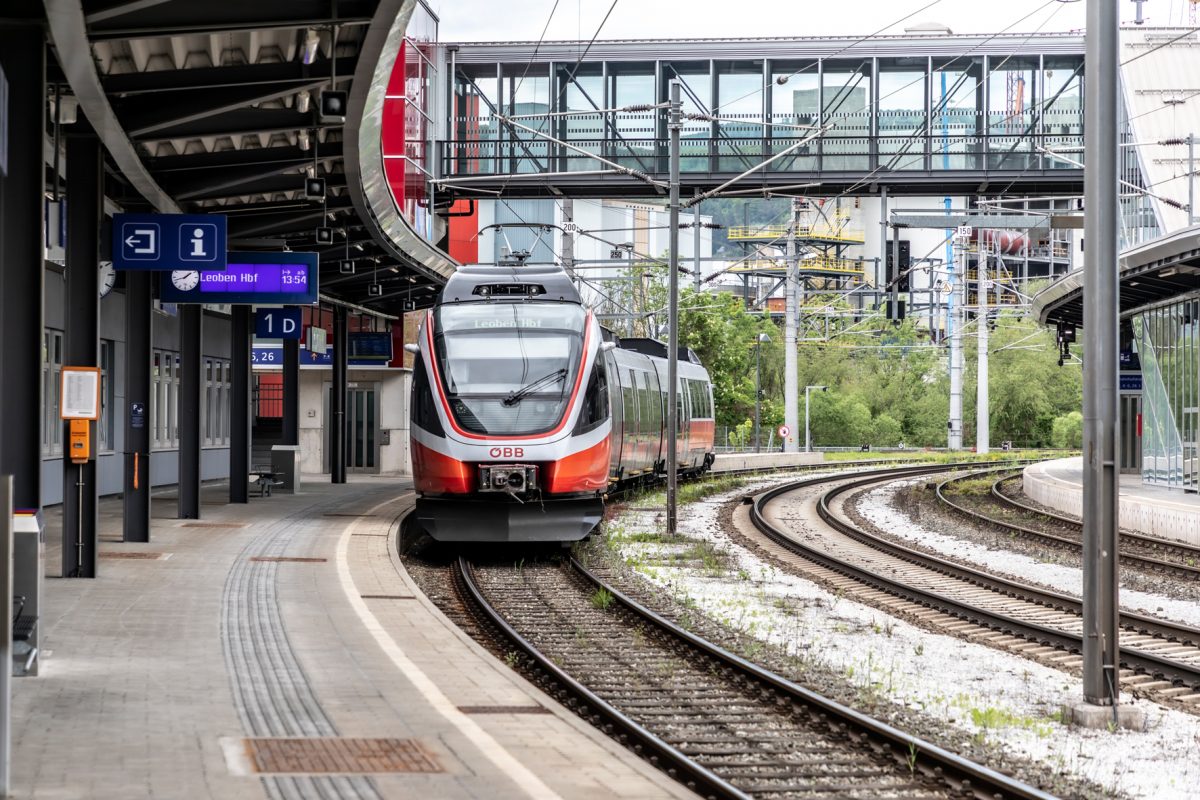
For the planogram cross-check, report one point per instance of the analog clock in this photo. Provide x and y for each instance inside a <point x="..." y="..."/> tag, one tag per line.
<point x="108" y="277"/>
<point x="185" y="279"/>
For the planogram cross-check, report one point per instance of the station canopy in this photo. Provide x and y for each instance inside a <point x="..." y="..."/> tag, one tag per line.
<point x="214" y="107"/>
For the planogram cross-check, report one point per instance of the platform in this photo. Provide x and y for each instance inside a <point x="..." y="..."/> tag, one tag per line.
<point x="286" y="635"/>
<point x="1153" y="510"/>
<point x="730" y="462"/>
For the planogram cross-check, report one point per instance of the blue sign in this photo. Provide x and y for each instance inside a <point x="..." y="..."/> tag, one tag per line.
<point x="137" y="415"/>
<point x="286" y="279"/>
<point x="1130" y="360"/>
<point x="1131" y="383"/>
<point x="268" y="356"/>
<point x="277" y="323"/>
<point x="370" y="346"/>
<point x="168" y="241"/>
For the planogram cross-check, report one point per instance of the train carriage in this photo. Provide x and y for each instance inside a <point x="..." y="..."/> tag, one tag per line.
<point x="525" y="412"/>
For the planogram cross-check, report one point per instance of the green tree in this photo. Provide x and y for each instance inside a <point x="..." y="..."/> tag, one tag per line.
<point x="1068" y="431"/>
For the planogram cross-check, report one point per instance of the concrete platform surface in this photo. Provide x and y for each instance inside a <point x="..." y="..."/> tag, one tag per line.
<point x="1152" y="510"/>
<point x="279" y="650"/>
<point x="726" y="462"/>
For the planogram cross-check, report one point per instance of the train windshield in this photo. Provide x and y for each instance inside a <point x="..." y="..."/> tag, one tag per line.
<point x="508" y="368"/>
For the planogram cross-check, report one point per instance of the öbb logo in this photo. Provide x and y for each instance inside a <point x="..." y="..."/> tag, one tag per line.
<point x="507" y="452"/>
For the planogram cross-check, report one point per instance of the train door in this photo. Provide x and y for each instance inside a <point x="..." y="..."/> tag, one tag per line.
<point x="633" y="439"/>
<point x="1131" y="440"/>
<point x="684" y="413"/>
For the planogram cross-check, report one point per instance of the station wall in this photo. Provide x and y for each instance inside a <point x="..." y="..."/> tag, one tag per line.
<point x="164" y="461"/>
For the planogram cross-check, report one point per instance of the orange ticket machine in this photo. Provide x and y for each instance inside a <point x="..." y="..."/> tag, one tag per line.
<point x="80" y="441"/>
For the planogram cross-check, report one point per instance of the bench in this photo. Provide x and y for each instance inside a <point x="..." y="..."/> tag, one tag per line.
<point x="264" y="478"/>
<point x="23" y="627"/>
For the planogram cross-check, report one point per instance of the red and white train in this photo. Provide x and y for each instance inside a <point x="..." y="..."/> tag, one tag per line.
<point x="525" y="412"/>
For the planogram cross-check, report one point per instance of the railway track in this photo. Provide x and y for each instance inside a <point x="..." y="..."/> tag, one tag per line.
<point x="1148" y="553"/>
<point x="721" y="725"/>
<point x="1157" y="656"/>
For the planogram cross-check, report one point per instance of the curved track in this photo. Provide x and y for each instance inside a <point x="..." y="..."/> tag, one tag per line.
<point x="723" y="726"/>
<point x="1167" y="652"/>
<point x="1148" y="553"/>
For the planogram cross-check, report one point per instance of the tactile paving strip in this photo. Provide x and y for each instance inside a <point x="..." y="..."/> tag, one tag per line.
<point x="338" y="756"/>
<point x="287" y="560"/>
<point x="138" y="555"/>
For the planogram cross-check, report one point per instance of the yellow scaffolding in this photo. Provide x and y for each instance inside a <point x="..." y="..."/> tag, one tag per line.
<point x="822" y="233"/>
<point x="823" y="265"/>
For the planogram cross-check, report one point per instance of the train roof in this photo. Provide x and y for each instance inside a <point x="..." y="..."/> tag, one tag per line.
<point x="481" y="282"/>
<point x="653" y="347"/>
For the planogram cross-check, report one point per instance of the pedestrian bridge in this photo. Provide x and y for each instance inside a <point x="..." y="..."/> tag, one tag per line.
<point x="919" y="114"/>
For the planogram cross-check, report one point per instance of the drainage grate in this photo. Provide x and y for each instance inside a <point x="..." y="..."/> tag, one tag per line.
<point x="388" y="597"/>
<point x="504" y="709"/>
<point x="337" y="756"/>
<point x="140" y="555"/>
<point x="213" y="525"/>
<point x="288" y="560"/>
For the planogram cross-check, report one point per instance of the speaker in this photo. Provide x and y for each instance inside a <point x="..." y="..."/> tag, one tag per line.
<point x="333" y="105"/>
<point x="314" y="188"/>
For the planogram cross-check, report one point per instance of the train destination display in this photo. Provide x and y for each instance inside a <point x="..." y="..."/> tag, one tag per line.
<point x="258" y="278"/>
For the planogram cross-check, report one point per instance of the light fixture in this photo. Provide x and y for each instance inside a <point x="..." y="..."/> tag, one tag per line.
<point x="375" y="290"/>
<point x="346" y="267"/>
<point x="324" y="235"/>
<point x="303" y="99"/>
<point x="302" y="141"/>
<point x="312" y="40"/>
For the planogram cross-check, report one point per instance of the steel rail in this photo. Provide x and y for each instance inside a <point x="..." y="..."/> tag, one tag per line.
<point x="684" y="769"/>
<point x="1153" y="542"/>
<point x="1149" y="562"/>
<point x="933" y="761"/>
<point x="1147" y="663"/>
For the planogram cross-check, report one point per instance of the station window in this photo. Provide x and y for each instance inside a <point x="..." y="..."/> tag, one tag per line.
<point x="104" y="426"/>
<point x="52" y="362"/>
<point x="164" y="400"/>
<point x="216" y="402"/>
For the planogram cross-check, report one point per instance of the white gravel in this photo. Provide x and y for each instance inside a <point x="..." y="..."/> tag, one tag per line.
<point x="999" y="697"/>
<point x="876" y="506"/>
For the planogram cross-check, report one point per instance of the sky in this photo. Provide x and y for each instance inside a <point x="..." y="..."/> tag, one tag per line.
<point x="523" y="20"/>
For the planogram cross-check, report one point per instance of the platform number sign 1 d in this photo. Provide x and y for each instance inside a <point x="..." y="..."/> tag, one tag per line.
<point x="278" y="323"/>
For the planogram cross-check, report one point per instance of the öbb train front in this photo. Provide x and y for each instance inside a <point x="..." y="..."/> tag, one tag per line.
<point x="509" y="421"/>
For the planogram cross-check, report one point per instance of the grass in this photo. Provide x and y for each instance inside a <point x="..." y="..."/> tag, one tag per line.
<point x="602" y="599"/>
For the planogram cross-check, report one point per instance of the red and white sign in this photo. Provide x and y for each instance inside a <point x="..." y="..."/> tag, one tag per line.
<point x="784" y="430"/>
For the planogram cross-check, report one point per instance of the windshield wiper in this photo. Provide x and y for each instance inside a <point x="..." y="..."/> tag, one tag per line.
<point x="528" y="388"/>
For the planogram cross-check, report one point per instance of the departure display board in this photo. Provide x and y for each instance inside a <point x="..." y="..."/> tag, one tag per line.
<point x="251" y="278"/>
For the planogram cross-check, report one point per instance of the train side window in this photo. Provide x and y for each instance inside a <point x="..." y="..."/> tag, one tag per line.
<point x="595" y="400"/>
<point x="423" y="413"/>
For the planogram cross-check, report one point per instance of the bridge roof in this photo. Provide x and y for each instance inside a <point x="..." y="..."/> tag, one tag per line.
<point x="800" y="47"/>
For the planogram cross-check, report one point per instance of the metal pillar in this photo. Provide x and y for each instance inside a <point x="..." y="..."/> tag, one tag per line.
<point x="568" y="239"/>
<point x="81" y="342"/>
<point x="982" y="417"/>
<point x="672" y="437"/>
<point x="1191" y="143"/>
<point x="880" y="266"/>
<point x="696" y="242"/>
<point x="757" y="392"/>
<point x="337" y="403"/>
<point x="291" y="392"/>
<point x="791" y="378"/>
<point x="241" y="342"/>
<point x="954" y="326"/>
<point x="190" y="386"/>
<point x="6" y="640"/>
<point x="23" y="59"/>
<point x="894" y="279"/>
<point x="1100" y="365"/>
<point x="136" y="479"/>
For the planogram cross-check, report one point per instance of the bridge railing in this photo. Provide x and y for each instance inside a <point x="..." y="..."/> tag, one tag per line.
<point x="489" y="150"/>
